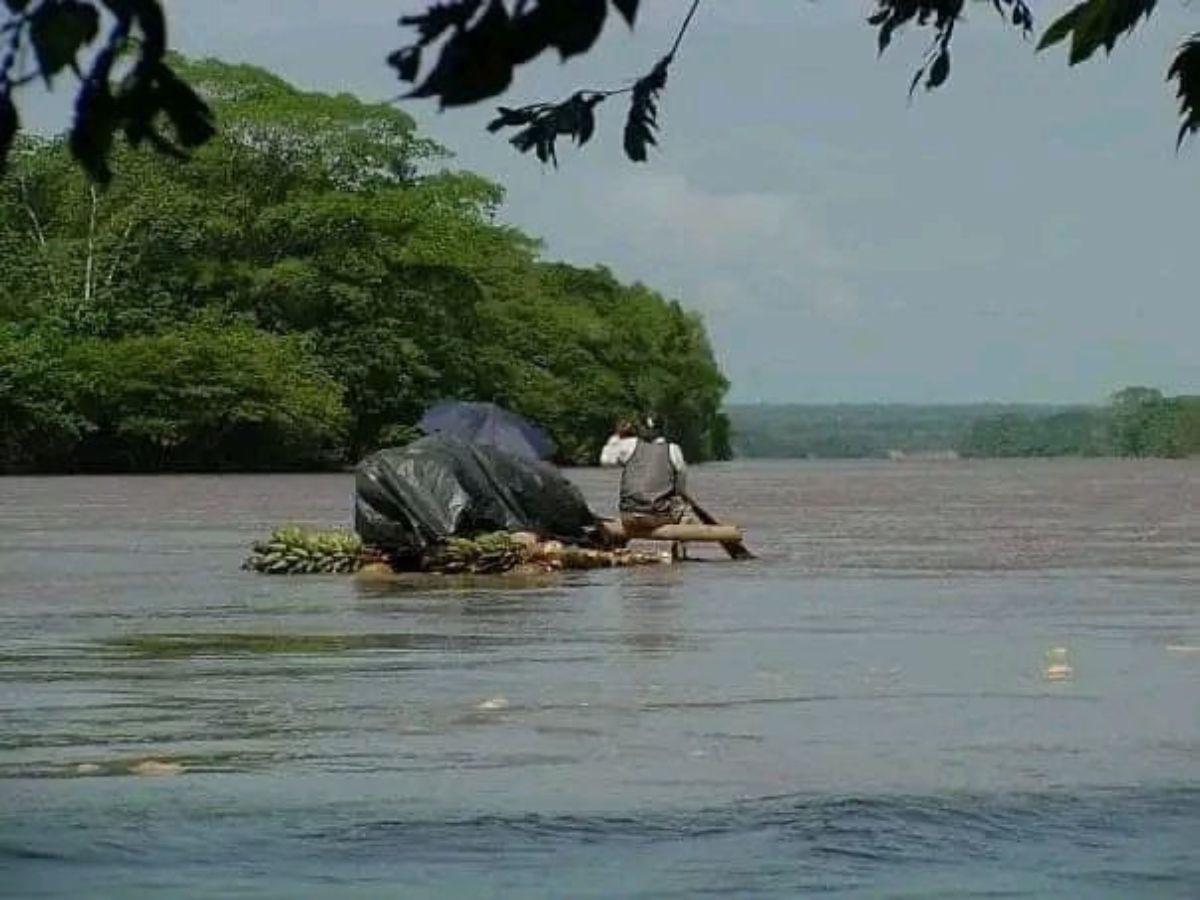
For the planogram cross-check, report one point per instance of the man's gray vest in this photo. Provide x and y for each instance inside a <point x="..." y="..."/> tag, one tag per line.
<point x="648" y="482"/>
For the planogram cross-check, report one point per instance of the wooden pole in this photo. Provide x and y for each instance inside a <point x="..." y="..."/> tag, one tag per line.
<point x="734" y="547"/>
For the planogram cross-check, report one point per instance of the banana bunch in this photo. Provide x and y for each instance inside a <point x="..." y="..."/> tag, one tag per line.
<point x="299" y="551"/>
<point x="482" y="555"/>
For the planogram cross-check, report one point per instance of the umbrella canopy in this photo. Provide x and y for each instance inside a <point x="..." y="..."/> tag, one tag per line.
<point x="487" y="423"/>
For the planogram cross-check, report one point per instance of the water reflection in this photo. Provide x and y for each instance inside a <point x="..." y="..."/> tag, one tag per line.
<point x="231" y="644"/>
<point x="653" y="606"/>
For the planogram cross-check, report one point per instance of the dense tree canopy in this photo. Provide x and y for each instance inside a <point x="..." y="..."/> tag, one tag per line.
<point x="461" y="52"/>
<point x="1137" y="422"/>
<point x="298" y="293"/>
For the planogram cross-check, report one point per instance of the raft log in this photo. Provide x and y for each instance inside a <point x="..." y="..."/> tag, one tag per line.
<point x="683" y="532"/>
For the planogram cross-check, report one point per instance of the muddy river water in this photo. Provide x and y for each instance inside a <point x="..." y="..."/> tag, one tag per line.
<point x="944" y="678"/>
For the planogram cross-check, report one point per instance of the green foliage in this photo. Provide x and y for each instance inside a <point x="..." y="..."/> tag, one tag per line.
<point x="38" y="423"/>
<point x="1187" y="430"/>
<point x="201" y="397"/>
<point x="1137" y="422"/>
<point x="1078" y="432"/>
<point x="303" y="284"/>
<point x="847" y="431"/>
<point x="578" y="350"/>
<point x="1145" y="423"/>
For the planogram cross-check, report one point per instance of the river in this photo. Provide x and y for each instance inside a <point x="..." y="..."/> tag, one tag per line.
<point x="957" y="678"/>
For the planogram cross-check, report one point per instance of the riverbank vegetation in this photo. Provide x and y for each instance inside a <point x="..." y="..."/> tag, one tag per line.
<point x="1137" y="421"/>
<point x="298" y="293"/>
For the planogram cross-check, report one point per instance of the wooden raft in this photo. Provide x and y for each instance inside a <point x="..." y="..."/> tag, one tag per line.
<point x="716" y="534"/>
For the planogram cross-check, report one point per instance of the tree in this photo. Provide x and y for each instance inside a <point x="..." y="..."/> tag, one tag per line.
<point x="204" y="397"/>
<point x="196" y="396"/>
<point x="313" y="229"/>
<point x="129" y="86"/>
<point x="1143" y="423"/>
<point x="303" y="216"/>
<point x="1077" y="432"/>
<point x="38" y="424"/>
<point x="1188" y="431"/>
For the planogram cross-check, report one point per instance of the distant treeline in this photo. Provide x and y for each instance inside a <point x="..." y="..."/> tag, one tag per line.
<point x="1136" y="422"/>
<point x="298" y="293"/>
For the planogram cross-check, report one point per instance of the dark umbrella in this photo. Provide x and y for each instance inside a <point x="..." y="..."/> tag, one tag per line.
<point x="487" y="423"/>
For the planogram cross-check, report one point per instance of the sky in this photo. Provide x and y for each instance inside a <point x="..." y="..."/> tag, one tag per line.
<point x="1024" y="233"/>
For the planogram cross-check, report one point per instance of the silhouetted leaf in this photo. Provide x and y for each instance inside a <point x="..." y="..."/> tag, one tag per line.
<point x="96" y="119"/>
<point x="16" y="6"/>
<point x="1185" y="69"/>
<point x="477" y="61"/>
<point x="643" y="111"/>
<point x="542" y="123"/>
<point x="441" y="17"/>
<point x="585" y="121"/>
<point x="189" y="116"/>
<point x="151" y="23"/>
<point x="148" y="94"/>
<point x="939" y="70"/>
<point x="1059" y="29"/>
<point x="1022" y="17"/>
<point x="628" y="9"/>
<point x="941" y="16"/>
<point x="892" y="14"/>
<point x="1093" y="24"/>
<point x="540" y="138"/>
<point x="407" y="62"/>
<point x="569" y="26"/>
<point x="511" y="118"/>
<point x="58" y="31"/>
<point x="431" y="25"/>
<point x="474" y="63"/>
<point x="9" y="123"/>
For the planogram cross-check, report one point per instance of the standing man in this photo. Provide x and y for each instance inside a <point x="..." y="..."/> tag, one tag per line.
<point x="653" y="478"/>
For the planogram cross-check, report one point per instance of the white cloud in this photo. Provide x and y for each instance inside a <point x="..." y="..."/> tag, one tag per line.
<point x="719" y="251"/>
<point x="684" y="218"/>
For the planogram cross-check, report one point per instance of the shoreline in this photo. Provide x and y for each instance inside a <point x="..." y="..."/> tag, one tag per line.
<point x="930" y="457"/>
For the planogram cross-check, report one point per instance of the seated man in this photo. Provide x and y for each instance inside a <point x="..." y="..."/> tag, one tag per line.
<point x="653" y="480"/>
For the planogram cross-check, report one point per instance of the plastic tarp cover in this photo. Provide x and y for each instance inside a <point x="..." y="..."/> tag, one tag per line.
<point x="408" y="498"/>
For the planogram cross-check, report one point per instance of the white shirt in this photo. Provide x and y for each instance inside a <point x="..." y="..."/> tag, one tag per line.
<point x="618" y="450"/>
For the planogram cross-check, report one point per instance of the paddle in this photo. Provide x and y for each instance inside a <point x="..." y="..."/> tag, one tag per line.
<point x="735" y="549"/>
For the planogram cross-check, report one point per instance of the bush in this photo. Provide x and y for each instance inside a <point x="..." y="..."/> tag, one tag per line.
<point x="204" y="396"/>
<point x="38" y="425"/>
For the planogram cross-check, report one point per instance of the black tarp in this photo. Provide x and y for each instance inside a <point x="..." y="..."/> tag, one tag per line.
<point x="408" y="498"/>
